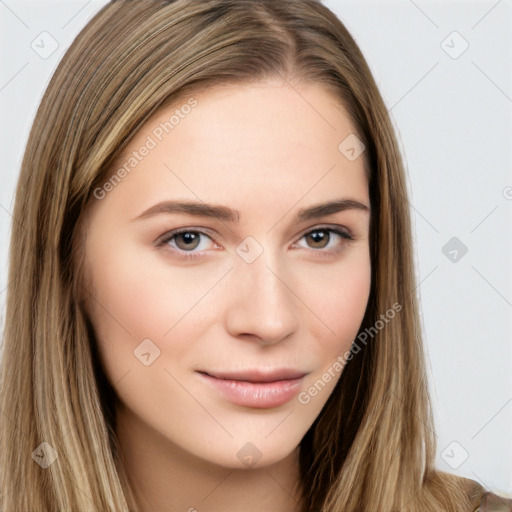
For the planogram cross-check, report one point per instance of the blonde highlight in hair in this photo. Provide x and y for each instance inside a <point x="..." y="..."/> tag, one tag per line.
<point x="372" y="446"/>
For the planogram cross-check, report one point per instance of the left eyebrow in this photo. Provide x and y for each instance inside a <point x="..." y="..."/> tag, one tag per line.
<point x="330" y="207"/>
<point x="228" y="214"/>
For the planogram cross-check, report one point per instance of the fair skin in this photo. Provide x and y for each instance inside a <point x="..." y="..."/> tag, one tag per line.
<point x="268" y="152"/>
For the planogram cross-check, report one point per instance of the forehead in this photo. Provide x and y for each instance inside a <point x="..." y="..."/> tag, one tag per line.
<point x="238" y="142"/>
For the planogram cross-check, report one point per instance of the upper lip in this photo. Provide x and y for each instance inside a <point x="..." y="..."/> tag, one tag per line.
<point x="258" y="375"/>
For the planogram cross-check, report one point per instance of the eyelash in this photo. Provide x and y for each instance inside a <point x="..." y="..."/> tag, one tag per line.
<point x="167" y="237"/>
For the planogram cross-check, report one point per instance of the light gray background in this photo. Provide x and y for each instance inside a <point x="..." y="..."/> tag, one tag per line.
<point x="452" y="112"/>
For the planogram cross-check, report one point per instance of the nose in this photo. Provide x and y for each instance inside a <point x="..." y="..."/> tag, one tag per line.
<point x="261" y="303"/>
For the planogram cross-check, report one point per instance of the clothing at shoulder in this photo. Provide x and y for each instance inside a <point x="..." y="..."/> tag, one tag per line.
<point x="481" y="499"/>
<point x="491" y="502"/>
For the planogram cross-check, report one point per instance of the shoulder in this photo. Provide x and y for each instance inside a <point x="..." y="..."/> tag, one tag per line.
<point x="466" y="495"/>
<point x="491" y="502"/>
<point x="483" y="500"/>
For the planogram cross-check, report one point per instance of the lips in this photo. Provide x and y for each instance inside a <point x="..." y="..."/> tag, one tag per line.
<point x="258" y="375"/>
<point x="255" y="388"/>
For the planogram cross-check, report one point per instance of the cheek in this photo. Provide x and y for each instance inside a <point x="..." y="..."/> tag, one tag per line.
<point x="340" y="307"/>
<point x="340" y="303"/>
<point x="138" y="295"/>
<point x="348" y="299"/>
<point x="126" y="305"/>
<point x="123" y="296"/>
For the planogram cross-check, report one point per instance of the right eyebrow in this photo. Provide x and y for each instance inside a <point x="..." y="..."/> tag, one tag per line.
<point x="192" y="208"/>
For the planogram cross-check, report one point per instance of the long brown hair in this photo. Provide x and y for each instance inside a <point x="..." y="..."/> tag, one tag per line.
<point x="372" y="446"/>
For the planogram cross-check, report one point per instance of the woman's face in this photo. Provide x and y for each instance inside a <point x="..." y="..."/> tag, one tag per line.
<point x="225" y="340"/>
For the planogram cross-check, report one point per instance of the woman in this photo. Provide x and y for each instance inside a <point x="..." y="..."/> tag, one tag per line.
<point x="280" y="366"/>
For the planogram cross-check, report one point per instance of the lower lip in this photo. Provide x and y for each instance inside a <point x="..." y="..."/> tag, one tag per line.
<point x="259" y="395"/>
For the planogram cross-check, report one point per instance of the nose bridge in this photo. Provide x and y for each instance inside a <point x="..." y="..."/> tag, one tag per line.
<point x="262" y="302"/>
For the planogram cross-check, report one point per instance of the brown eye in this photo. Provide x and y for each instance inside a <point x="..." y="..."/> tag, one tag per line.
<point x="319" y="238"/>
<point x="187" y="240"/>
